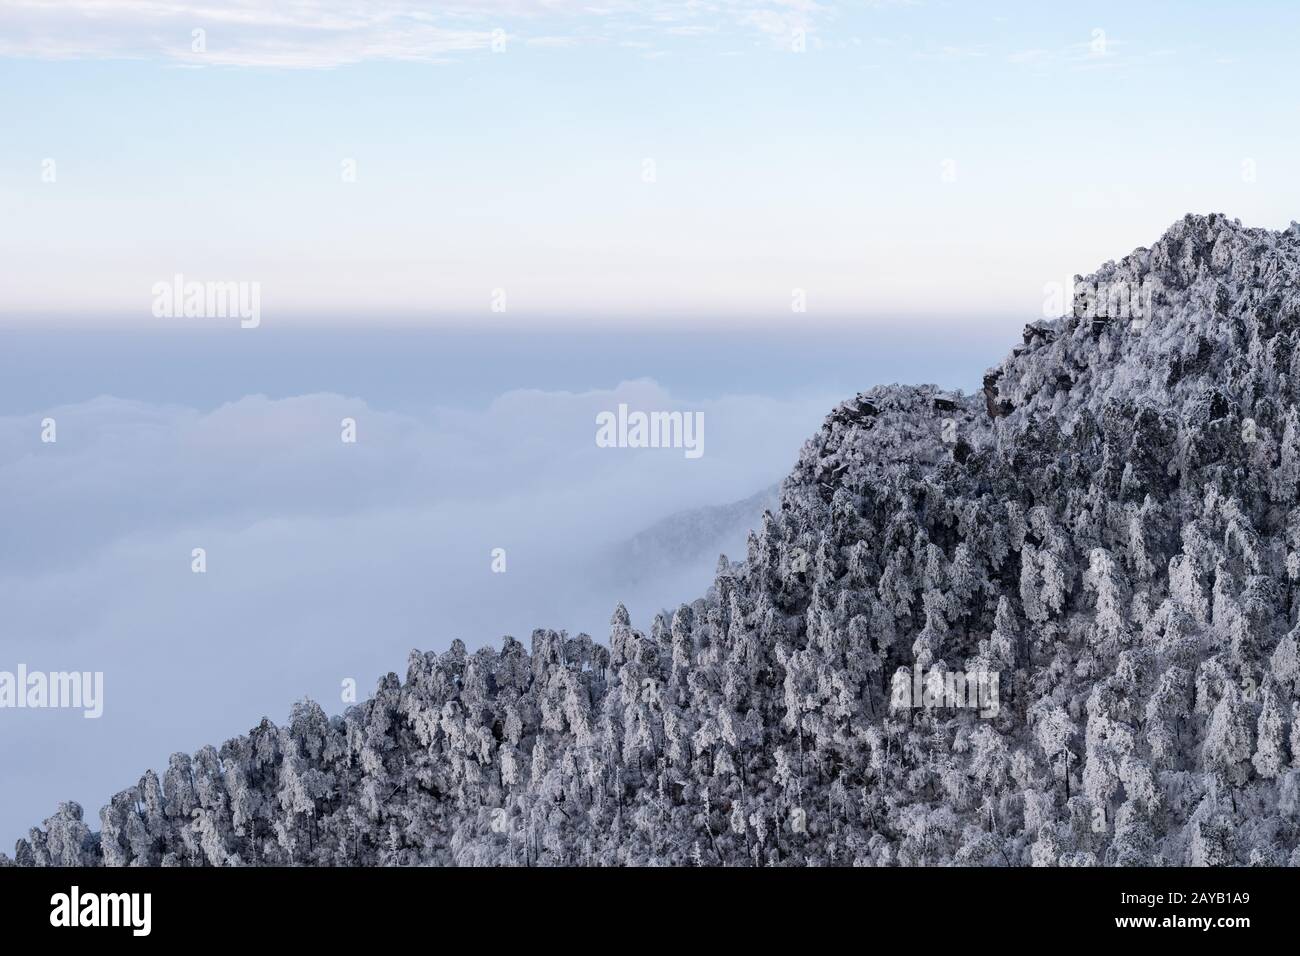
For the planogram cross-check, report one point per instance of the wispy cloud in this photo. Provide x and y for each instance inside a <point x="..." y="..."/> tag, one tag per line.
<point x="955" y="52"/>
<point x="333" y="32"/>
<point x="1098" y="53"/>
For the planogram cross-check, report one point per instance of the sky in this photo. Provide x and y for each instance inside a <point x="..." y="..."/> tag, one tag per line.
<point x="473" y="227"/>
<point x="396" y="163"/>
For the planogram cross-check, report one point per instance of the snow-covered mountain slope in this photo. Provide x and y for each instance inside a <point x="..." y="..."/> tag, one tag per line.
<point x="1052" y="622"/>
<point x="686" y="537"/>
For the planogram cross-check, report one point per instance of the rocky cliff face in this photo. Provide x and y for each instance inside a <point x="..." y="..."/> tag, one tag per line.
<point x="1050" y="623"/>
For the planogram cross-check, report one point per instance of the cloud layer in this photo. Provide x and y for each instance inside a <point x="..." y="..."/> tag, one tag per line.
<point x="325" y="560"/>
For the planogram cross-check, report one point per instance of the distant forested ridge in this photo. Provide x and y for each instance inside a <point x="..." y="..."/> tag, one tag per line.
<point x="1111" y="526"/>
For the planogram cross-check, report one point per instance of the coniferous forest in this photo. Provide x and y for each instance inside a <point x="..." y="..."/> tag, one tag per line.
<point x="1110" y="526"/>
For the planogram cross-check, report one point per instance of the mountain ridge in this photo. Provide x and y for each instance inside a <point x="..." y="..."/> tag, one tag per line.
<point x="1111" y="525"/>
<point x="685" y="536"/>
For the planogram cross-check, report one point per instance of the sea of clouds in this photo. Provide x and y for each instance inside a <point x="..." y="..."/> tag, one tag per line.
<point x="325" y="560"/>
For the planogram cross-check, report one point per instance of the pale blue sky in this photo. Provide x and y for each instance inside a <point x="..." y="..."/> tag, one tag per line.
<point x="522" y="170"/>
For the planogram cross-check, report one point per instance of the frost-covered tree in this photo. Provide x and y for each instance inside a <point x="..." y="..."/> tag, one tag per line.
<point x="1108" y="538"/>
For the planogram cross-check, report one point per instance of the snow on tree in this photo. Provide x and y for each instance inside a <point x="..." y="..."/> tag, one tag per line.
<point x="1107" y="536"/>
<point x="1270" y="736"/>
